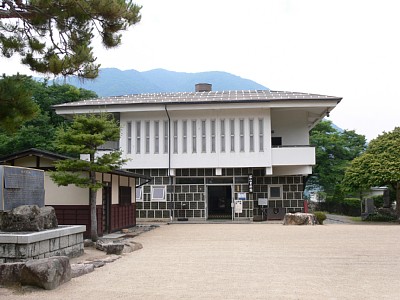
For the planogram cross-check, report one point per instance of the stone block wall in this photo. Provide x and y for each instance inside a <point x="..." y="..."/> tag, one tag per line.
<point x="40" y="245"/>
<point x="292" y="192"/>
<point x="188" y="200"/>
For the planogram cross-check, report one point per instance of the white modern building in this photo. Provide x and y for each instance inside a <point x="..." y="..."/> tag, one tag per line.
<point x="229" y="154"/>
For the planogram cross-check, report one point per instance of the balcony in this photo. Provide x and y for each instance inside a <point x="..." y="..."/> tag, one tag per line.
<point x="293" y="156"/>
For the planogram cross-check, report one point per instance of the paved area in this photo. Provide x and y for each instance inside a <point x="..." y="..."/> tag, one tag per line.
<point x="246" y="261"/>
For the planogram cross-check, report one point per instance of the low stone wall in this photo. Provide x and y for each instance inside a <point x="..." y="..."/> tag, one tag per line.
<point x="66" y="240"/>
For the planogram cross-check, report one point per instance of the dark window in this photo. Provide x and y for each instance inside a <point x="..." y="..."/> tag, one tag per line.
<point x="219" y="180"/>
<point x="189" y="180"/>
<point x="276" y="141"/>
<point x="275" y="192"/>
<point x="125" y="195"/>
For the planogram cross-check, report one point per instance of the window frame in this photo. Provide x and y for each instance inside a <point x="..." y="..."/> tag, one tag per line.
<point x="223" y="134"/>
<point x="140" y="190"/>
<point x="194" y="136"/>
<point x="261" y="134"/>
<point x="184" y="136"/>
<point x="124" y="197"/>
<point x="147" y="137"/>
<point x="280" y="191"/>
<point x="213" y="136"/>
<point x="129" y="137"/>
<point x="166" y="136"/>
<point x="203" y="136"/>
<point x="156" y="137"/>
<point x="232" y="134"/>
<point x="241" y="135"/>
<point x="175" y="137"/>
<point x="251" y="135"/>
<point x="155" y="187"/>
<point x="138" y="136"/>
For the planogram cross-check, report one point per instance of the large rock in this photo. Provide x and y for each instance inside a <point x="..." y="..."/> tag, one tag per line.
<point x="10" y="273"/>
<point x="47" y="273"/>
<point x="110" y="248"/>
<point x="28" y="218"/>
<point x="299" y="219"/>
<point x="48" y="213"/>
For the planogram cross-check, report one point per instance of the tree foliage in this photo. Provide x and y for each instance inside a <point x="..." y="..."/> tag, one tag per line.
<point x="16" y="105"/>
<point x="334" y="151"/>
<point x="55" y="36"/>
<point x="84" y="136"/>
<point x="38" y="132"/>
<point x="378" y="166"/>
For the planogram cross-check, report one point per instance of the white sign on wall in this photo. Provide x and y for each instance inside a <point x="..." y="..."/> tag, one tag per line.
<point x="238" y="206"/>
<point x="242" y="196"/>
<point x="262" y="201"/>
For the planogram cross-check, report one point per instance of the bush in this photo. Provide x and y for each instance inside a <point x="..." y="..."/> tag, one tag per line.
<point x="351" y="207"/>
<point x="345" y="206"/>
<point x="378" y="201"/>
<point x="320" y="216"/>
<point x="380" y="218"/>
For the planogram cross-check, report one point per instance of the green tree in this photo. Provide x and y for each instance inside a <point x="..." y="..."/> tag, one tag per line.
<point x="55" y="36"/>
<point x="334" y="151"/>
<point x="39" y="132"/>
<point x="84" y="136"/>
<point x="16" y="105"/>
<point x="378" y="166"/>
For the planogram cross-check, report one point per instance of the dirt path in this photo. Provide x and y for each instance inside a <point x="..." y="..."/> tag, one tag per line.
<point x="247" y="261"/>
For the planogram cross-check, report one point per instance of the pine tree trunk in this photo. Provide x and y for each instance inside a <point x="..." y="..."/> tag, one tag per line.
<point x="92" y="196"/>
<point x="93" y="215"/>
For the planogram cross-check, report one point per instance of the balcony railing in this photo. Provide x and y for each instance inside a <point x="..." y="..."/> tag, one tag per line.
<point x="299" y="155"/>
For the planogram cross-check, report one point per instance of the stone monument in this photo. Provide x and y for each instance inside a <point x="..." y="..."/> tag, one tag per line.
<point x="20" y="186"/>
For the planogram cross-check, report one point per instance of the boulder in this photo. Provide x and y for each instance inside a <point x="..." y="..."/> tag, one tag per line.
<point x="110" y="247"/>
<point x="299" y="219"/>
<point x="47" y="273"/>
<point x="28" y="218"/>
<point x="10" y="273"/>
<point x="48" y="213"/>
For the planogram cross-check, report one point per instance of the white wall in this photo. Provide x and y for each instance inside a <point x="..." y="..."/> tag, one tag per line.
<point x="188" y="159"/>
<point x="291" y="125"/>
<point x="64" y="195"/>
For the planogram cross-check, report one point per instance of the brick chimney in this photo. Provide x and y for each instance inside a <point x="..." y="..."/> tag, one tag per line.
<point x="203" y="87"/>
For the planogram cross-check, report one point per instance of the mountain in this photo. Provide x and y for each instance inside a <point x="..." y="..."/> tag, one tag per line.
<point x="114" y="82"/>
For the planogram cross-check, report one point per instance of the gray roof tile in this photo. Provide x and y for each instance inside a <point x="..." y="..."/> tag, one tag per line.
<point x="200" y="98"/>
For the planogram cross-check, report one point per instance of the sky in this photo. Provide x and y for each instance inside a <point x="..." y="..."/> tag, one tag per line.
<point x="345" y="48"/>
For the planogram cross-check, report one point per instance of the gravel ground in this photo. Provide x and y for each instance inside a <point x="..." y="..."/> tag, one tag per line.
<point x="245" y="261"/>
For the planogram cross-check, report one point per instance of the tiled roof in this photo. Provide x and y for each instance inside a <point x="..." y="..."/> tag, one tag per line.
<point x="200" y="98"/>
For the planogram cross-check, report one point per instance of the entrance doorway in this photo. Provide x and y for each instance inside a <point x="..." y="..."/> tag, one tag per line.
<point x="219" y="202"/>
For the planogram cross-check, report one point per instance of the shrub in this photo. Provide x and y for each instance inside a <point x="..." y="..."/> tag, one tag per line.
<point x="351" y="207"/>
<point x="378" y="201"/>
<point x="380" y="218"/>
<point x="345" y="206"/>
<point x="320" y="216"/>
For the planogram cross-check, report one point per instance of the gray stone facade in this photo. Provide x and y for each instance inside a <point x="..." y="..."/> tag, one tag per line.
<point x="188" y="192"/>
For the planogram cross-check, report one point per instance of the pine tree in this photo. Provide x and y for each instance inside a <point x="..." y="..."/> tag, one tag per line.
<point x="55" y="36"/>
<point x="16" y="105"/>
<point x="84" y="136"/>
